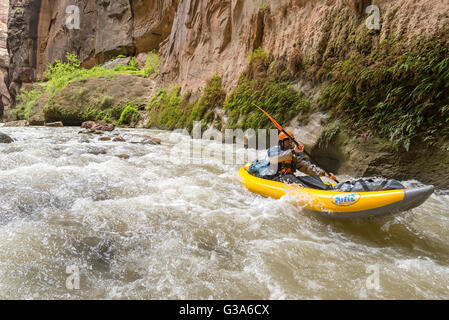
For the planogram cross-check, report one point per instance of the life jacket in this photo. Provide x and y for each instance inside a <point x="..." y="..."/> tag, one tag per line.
<point x="287" y="167"/>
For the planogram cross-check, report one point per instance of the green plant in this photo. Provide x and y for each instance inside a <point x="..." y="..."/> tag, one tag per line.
<point x="131" y="67"/>
<point x="213" y="97"/>
<point x="152" y="64"/>
<point x="330" y="131"/>
<point x="165" y="109"/>
<point x="169" y="109"/>
<point x="278" y="98"/>
<point x="130" y="115"/>
<point x="399" y="95"/>
<point x="26" y="100"/>
<point x="61" y="73"/>
<point x="258" y="54"/>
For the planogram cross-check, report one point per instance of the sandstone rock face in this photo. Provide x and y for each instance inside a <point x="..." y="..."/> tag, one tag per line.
<point x="216" y="36"/>
<point x="152" y="22"/>
<point x="199" y="38"/>
<point x="114" y="28"/>
<point x="23" y="20"/>
<point x="42" y="31"/>
<point x="4" y="58"/>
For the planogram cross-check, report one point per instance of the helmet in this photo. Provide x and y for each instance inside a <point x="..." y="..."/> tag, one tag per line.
<point x="282" y="136"/>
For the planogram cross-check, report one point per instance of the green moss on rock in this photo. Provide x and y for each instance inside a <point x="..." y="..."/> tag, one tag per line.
<point x="129" y="116"/>
<point x="266" y="84"/>
<point x="169" y="109"/>
<point x="401" y="95"/>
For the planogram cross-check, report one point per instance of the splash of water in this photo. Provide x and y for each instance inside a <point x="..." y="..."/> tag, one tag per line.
<point x="154" y="228"/>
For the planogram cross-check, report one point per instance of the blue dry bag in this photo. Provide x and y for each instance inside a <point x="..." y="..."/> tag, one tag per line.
<point x="258" y="168"/>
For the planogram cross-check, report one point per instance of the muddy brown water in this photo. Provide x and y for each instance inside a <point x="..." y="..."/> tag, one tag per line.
<point x="165" y="224"/>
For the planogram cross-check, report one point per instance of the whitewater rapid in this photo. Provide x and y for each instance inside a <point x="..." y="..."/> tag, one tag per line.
<point x="165" y="224"/>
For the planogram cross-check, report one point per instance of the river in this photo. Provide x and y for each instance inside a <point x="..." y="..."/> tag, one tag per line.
<point x="77" y="222"/>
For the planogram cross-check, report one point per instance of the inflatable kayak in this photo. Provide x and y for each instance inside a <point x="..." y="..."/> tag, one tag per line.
<point x="336" y="203"/>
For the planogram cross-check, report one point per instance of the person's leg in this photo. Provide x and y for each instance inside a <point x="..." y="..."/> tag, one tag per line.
<point x="287" y="178"/>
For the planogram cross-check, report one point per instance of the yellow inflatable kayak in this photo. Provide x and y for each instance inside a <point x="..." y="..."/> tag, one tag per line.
<point x="339" y="204"/>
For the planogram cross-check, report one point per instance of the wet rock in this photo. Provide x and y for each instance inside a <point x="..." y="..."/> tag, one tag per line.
<point x="20" y="123"/>
<point x="104" y="139"/>
<point x="84" y="139"/>
<point x="96" y="151"/>
<point x="98" y="125"/>
<point x="155" y="140"/>
<point x="4" y="138"/>
<point x="145" y="139"/>
<point x="310" y="134"/>
<point x="87" y="131"/>
<point x="118" y="139"/>
<point x="117" y="62"/>
<point x="55" y="124"/>
<point x="123" y="156"/>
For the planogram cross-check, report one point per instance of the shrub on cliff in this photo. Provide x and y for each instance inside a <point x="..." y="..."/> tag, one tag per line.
<point x="129" y="116"/>
<point x="152" y="65"/>
<point x="61" y="74"/>
<point x="402" y="96"/>
<point x="170" y="110"/>
<point x="166" y="109"/>
<point x="26" y="100"/>
<point x="265" y="84"/>
<point x="213" y="97"/>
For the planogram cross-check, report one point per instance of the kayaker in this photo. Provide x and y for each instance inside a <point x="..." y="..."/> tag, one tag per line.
<point x="286" y="158"/>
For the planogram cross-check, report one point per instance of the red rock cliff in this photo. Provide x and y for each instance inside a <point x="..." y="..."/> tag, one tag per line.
<point x="4" y="58"/>
<point x="198" y="38"/>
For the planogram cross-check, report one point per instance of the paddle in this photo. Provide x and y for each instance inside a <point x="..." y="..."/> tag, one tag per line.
<point x="293" y="139"/>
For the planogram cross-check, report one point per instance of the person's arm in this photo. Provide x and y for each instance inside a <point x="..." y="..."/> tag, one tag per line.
<point x="307" y="167"/>
<point x="275" y="155"/>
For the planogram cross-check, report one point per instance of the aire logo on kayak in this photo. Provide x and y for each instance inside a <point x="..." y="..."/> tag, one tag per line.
<point x="345" y="199"/>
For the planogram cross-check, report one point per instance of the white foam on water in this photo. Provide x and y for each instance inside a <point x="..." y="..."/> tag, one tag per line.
<point x="155" y="227"/>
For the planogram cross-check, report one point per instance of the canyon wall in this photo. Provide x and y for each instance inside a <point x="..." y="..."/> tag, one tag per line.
<point x="4" y="57"/>
<point x="42" y="31"/>
<point x="199" y="38"/>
